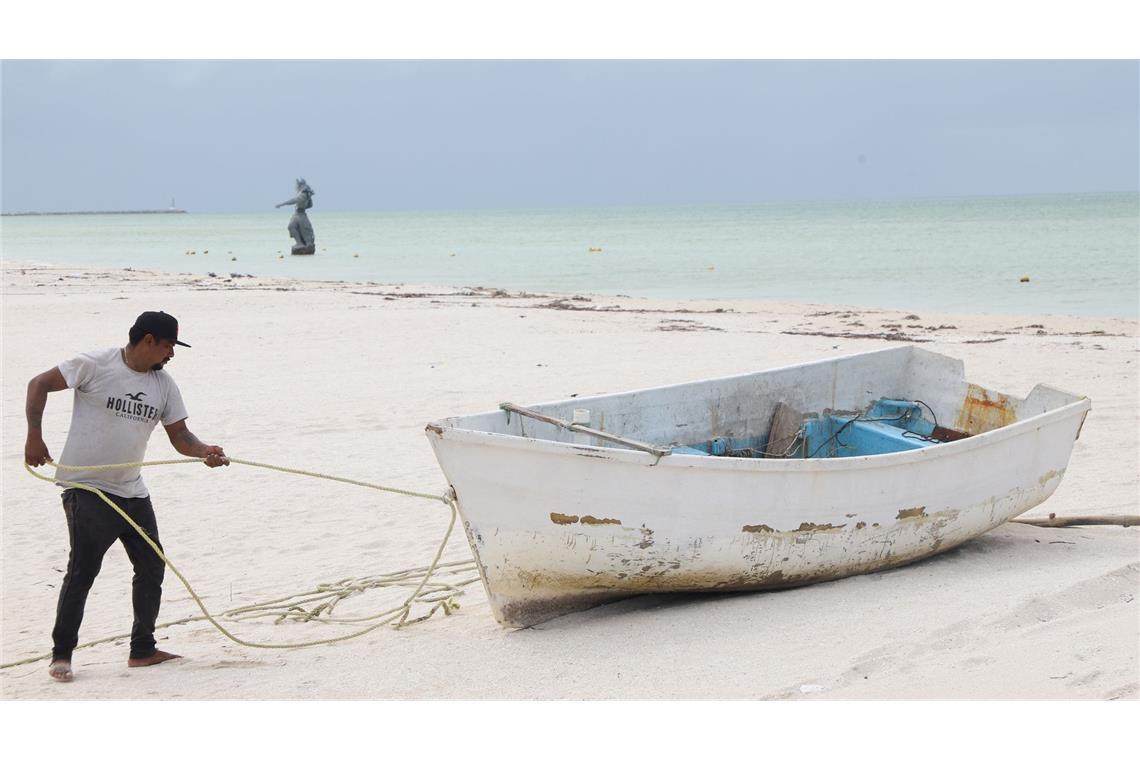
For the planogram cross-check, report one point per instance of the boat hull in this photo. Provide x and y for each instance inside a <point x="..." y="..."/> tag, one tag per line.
<point x="558" y="527"/>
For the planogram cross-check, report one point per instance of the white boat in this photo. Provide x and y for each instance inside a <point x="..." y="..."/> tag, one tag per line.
<point x="686" y="487"/>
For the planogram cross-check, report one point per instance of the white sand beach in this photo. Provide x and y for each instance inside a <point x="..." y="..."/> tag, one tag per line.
<point x="340" y="378"/>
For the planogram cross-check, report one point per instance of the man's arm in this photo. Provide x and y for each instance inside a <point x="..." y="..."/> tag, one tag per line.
<point x="35" y="450"/>
<point x="187" y="444"/>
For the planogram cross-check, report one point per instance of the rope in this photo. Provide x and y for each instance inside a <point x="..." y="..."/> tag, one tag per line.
<point x="291" y="607"/>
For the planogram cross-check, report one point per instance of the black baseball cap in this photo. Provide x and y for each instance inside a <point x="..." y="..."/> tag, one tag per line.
<point x="159" y="324"/>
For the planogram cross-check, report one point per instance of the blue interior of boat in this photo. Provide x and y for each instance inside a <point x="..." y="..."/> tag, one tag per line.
<point x="721" y="447"/>
<point x="887" y="426"/>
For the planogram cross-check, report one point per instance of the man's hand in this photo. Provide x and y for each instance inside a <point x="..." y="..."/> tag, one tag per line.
<point x="215" y="457"/>
<point x="36" y="451"/>
<point x="188" y="445"/>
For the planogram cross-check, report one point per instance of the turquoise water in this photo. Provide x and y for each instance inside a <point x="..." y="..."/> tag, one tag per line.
<point x="1081" y="252"/>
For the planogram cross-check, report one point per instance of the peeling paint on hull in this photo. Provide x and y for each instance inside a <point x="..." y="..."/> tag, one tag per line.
<point x="582" y="570"/>
<point x="533" y="575"/>
<point x="693" y="524"/>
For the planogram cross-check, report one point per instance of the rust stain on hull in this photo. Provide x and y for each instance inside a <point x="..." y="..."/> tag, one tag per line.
<point x="560" y="519"/>
<point x="757" y="529"/>
<point x="910" y="513"/>
<point x="983" y="411"/>
<point x="591" y="520"/>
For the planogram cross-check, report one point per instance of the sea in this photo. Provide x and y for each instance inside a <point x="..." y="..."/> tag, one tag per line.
<point x="1073" y="254"/>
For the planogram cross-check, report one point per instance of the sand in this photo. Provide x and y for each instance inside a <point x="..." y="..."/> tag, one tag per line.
<point x="341" y="378"/>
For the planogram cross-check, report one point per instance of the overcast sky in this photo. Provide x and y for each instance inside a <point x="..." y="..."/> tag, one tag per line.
<point x="231" y="136"/>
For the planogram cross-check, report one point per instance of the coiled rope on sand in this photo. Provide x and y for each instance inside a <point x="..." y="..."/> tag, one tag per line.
<point x="316" y="605"/>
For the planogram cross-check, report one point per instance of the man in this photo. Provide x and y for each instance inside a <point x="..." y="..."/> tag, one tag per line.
<point x="120" y="395"/>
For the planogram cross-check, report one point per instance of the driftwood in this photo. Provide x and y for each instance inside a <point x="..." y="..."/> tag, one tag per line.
<point x="1052" y="521"/>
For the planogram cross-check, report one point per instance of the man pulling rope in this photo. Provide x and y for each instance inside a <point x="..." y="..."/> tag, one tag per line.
<point x="120" y="395"/>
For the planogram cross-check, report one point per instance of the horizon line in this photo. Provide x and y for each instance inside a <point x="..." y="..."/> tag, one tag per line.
<point x="706" y="204"/>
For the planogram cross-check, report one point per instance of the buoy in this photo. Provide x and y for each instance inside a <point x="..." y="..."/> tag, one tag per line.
<point x="595" y="250"/>
<point x="355" y="255"/>
<point x="233" y="258"/>
<point x="1025" y="278"/>
<point x="205" y="251"/>
<point x="451" y="254"/>
<point x="710" y="269"/>
<point x="280" y="257"/>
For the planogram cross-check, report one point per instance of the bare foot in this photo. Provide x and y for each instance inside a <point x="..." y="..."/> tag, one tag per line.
<point x="154" y="659"/>
<point x="60" y="670"/>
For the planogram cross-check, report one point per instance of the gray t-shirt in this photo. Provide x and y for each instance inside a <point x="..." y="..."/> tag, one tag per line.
<point x="114" y="413"/>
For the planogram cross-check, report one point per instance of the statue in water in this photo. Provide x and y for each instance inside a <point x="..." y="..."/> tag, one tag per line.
<point x="304" y="241"/>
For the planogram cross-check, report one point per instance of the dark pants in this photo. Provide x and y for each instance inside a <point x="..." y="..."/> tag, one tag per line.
<point x="93" y="527"/>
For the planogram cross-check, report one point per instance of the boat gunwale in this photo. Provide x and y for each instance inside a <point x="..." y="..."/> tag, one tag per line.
<point x="760" y="464"/>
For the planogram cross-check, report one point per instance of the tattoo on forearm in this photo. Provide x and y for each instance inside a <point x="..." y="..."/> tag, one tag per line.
<point x="190" y="441"/>
<point x="34" y="411"/>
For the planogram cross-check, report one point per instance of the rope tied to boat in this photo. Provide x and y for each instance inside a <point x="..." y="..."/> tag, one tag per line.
<point x="318" y="604"/>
